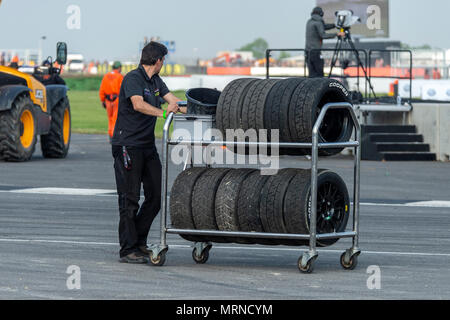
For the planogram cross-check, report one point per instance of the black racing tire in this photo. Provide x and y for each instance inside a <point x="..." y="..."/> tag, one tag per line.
<point x="272" y="199"/>
<point x="248" y="110"/>
<point x="283" y="111"/>
<point x="305" y="106"/>
<point x="203" y="201"/>
<point x="297" y="205"/>
<point x="276" y="113"/>
<point x="181" y="201"/>
<point x="254" y="118"/>
<point x="227" y="201"/>
<point x="249" y="135"/>
<point x="253" y="111"/>
<point x="18" y="128"/>
<point x="56" y="143"/>
<point x="229" y="106"/>
<point x="248" y="209"/>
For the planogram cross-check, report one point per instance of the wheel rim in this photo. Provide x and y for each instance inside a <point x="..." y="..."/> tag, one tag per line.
<point x="66" y="126"/>
<point x="334" y="125"/>
<point x="157" y="260"/>
<point x="331" y="208"/>
<point x="27" y="129"/>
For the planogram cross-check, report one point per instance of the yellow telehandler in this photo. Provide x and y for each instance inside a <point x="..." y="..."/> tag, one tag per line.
<point x="31" y="105"/>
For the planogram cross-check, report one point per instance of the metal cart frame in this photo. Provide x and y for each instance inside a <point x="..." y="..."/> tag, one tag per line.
<point x="306" y="261"/>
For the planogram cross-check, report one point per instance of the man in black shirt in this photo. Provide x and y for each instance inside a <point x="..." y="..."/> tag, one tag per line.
<point x="136" y="159"/>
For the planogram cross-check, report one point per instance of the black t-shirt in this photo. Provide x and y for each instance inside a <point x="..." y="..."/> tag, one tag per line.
<point x="133" y="128"/>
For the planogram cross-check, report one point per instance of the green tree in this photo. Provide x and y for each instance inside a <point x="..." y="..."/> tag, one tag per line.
<point x="258" y="47"/>
<point x="284" y="55"/>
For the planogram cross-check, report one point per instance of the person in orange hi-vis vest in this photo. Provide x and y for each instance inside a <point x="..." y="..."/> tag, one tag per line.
<point x="109" y="94"/>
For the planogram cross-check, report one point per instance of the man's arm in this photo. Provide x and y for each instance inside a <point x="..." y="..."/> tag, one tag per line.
<point x="102" y="93"/>
<point x="321" y="32"/>
<point x="141" y="106"/>
<point x="329" y="26"/>
<point x="172" y="99"/>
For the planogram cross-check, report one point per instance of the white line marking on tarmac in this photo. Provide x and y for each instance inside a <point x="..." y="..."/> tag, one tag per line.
<point x="431" y="204"/>
<point x="48" y="241"/>
<point x="421" y="204"/>
<point x="113" y="193"/>
<point x="64" y="191"/>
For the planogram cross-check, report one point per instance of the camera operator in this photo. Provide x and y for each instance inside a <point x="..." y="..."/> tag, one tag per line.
<point x="315" y="33"/>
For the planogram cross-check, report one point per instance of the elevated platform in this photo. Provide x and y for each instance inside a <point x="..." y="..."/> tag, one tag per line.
<point x="394" y="143"/>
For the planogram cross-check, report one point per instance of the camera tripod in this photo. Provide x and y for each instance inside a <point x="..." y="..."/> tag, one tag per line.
<point x="338" y="50"/>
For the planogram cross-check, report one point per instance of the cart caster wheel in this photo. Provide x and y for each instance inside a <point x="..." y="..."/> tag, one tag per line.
<point x="351" y="264"/>
<point x="202" y="258"/>
<point x="160" y="259"/>
<point x="306" y="268"/>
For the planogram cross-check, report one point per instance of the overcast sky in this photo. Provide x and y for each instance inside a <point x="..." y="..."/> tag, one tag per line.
<point x="112" y="29"/>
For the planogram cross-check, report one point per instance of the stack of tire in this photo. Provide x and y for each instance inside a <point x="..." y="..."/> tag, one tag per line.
<point x="244" y="200"/>
<point x="290" y="106"/>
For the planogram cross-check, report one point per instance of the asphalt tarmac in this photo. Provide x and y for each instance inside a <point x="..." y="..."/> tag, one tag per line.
<point x="57" y="216"/>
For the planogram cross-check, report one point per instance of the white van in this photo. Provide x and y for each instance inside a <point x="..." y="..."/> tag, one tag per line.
<point x="75" y="63"/>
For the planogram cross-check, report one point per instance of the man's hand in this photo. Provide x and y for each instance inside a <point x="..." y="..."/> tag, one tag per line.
<point x="341" y="34"/>
<point x="183" y="110"/>
<point x="104" y="104"/>
<point x="172" y="107"/>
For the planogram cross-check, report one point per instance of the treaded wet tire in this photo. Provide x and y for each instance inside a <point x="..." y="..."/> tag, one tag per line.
<point x="297" y="211"/>
<point x="255" y="104"/>
<point x="272" y="199"/>
<point x="227" y="201"/>
<point x="305" y="106"/>
<point x="229" y="106"/>
<point x="203" y="201"/>
<point x="276" y="113"/>
<point x="279" y="96"/>
<point x="246" y="107"/>
<point x="248" y="209"/>
<point x="55" y="144"/>
<point x="12" y="131"/>
<point x="181" y="201"/>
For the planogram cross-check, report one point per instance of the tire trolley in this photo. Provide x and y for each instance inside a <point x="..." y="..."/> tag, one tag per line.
<point x="306" y="262"/>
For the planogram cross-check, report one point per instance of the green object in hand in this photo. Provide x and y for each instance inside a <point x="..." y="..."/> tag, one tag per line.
<point x="164" y="114"/>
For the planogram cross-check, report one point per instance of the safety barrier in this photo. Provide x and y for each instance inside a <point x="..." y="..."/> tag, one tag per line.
<point x="166" y="70"/>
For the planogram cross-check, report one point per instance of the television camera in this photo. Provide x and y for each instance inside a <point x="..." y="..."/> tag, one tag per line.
<point x="345" y="19"/>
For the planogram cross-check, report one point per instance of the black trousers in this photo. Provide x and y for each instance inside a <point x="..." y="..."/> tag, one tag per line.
<point x="315" y="64"/>
<point x="135" y="221"/>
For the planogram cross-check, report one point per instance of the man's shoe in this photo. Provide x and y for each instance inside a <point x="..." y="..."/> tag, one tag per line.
<point x="145" y="250"/>
<point x="133" y="258"/>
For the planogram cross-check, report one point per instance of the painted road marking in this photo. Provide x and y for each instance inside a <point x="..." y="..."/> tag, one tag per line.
<point x="93" y="243"/>
<point x="431" y="204"/>
<point x="113" y="193"/>
<point x="65" y="191"/>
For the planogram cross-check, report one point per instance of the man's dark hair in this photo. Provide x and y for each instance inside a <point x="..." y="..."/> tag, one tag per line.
<point x="152" y="52"/>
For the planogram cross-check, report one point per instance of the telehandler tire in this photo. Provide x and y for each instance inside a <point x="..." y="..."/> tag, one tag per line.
<point x="18" y="129"/>
<point x="56" y="143"/>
